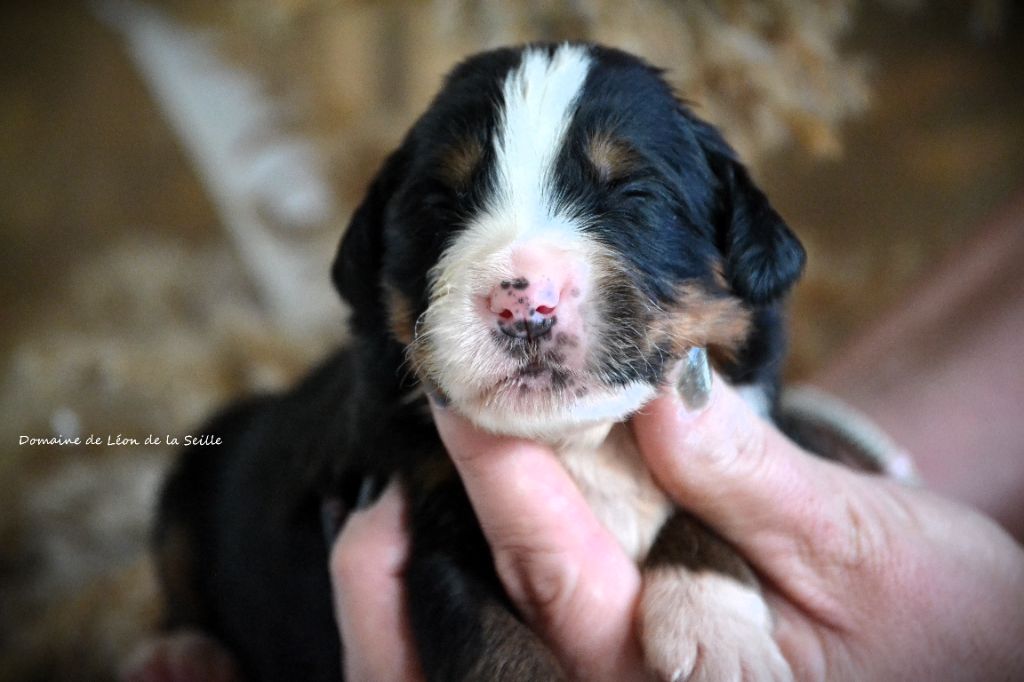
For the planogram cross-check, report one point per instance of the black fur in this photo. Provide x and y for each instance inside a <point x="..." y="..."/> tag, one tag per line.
<point x="249" y="509"/>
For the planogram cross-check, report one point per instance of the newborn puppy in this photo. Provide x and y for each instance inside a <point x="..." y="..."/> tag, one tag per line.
<point x="555" y="238"/>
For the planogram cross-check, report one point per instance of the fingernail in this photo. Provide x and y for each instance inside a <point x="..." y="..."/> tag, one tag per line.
<point x="369" y="491"/>
<point x="694" y="384"/>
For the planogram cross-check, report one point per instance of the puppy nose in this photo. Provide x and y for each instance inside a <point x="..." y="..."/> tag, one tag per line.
<point x="526" y="306"/>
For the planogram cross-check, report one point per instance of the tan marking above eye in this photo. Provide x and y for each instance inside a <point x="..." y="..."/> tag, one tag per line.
<point x="612" y="158"/>
<point x="459" y="162"/>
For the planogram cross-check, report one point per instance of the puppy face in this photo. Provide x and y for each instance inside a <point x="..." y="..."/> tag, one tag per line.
<point x="553" y="233"/>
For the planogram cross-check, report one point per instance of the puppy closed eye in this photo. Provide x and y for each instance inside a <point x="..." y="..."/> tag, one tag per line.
<point x="637" y="191"/>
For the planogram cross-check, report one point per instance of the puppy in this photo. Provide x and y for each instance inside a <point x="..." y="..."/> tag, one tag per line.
<point x="554" y="238"/>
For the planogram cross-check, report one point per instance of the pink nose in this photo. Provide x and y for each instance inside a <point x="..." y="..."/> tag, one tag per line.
<point x="526" y="307"/>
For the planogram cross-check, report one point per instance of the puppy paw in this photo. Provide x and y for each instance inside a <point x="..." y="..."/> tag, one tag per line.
<point x="707" y="627"/>
<point x="186" y="656"/>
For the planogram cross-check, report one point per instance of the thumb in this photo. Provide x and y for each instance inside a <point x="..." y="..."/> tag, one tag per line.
<point x="788" y="512"/>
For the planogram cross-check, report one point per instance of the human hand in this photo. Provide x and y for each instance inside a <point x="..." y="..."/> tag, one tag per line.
<point x="544" y="539"/>
<point x="367" y="563"/>
<point x="867" y="579"/>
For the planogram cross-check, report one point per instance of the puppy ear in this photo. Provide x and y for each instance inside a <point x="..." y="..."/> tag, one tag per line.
<point x="357" y="266"/>
<point x="763" y="258"/>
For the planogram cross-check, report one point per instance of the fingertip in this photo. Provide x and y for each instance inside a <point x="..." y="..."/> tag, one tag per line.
<point x="367" y="564"/>
<point x="372" y="537"/>
<point x="698" y="455"/>
<point x="670" y="418"/>
<point x="721" y="417"/>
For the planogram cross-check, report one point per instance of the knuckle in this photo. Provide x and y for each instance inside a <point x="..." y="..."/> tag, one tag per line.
<point x="853" y="547"/>
<point x="543" y="583"/>
<point x="866" y="517"/>
<point x="748" y="455"/>
<point x="846" y="538"/>
<point x="855" y="541"/>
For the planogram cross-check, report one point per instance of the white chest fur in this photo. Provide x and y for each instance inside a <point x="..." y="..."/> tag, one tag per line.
<point x="619" y="489"/>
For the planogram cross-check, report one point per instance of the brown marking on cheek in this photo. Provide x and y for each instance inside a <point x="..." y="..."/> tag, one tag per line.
<point x="459" y="162"/>
<point x="423" y="363"/>
<point x="612" y="158"/>
<point x="401" y="319"/>
<point x="720" y="356"/>
<point x="701" y="318"/>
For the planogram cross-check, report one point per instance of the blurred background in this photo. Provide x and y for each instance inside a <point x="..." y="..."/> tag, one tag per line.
<point x="175" y="176"/>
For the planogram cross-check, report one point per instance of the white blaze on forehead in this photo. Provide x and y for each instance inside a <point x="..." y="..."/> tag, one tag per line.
<point x="538" y="104"/>
<point x="539" y="100"/>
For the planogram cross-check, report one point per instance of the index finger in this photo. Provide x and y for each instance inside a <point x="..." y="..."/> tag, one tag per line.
<point x="560" y="566"/>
